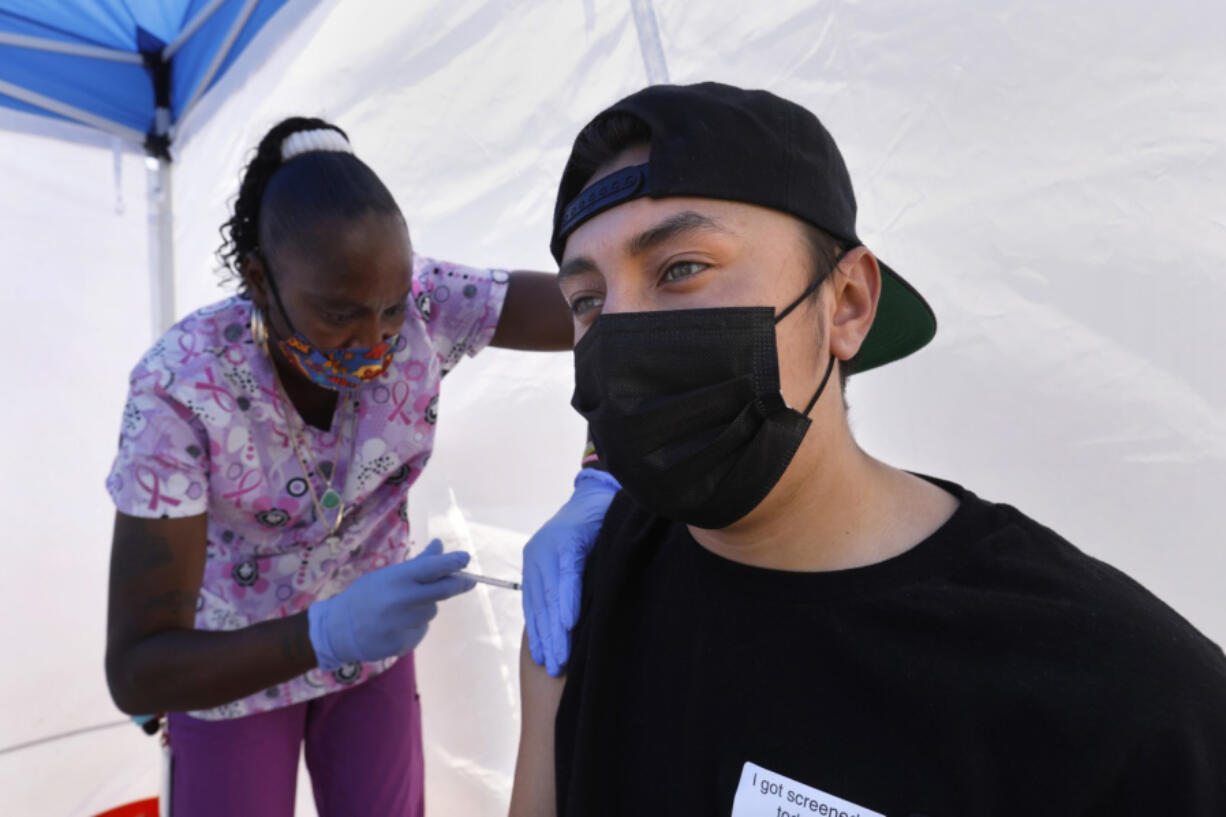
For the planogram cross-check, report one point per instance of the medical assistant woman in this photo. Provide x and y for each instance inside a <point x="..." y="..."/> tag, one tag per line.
<point x="259" y="590"/>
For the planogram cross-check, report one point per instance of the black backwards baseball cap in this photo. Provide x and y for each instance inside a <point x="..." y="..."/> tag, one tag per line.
<point x="720" y="142"/>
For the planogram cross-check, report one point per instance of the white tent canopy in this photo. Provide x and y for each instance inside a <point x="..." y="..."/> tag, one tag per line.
<point x="1050" y="177"/>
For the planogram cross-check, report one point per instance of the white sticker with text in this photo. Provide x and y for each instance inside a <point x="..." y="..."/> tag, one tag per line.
<point x="764" y="793"/>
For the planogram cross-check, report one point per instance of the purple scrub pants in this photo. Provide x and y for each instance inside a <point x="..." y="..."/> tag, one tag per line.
<point x="363" y="750"/>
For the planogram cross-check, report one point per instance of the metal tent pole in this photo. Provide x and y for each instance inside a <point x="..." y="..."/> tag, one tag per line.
<point x="62" y="47"/>
<point x="223" y="51"/>
<point x="159" y="195"/>
<point x="650" y="44"/>
<point x="160" y="198"/>
<point x="161" y="244"/>
<point x="191" y="28"/>
<point x="70" y="112"/>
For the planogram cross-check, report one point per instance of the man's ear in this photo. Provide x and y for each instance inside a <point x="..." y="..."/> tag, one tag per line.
<point x="856" y="287"/>
<point x="255" y="279"/>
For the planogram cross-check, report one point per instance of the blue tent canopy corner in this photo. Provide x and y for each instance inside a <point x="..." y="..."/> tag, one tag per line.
<point x="133" y="69"/>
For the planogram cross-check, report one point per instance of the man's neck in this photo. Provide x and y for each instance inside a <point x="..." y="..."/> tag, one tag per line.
<point x="835" y="508"/>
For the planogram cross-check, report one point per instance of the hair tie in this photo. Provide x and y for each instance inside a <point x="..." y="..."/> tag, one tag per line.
<point x="310" y="141"/>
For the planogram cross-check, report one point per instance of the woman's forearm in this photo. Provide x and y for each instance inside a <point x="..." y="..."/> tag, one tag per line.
<point x="178" y="670"/>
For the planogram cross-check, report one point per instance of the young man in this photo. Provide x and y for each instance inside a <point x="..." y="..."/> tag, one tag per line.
<point x="774" y="622"/>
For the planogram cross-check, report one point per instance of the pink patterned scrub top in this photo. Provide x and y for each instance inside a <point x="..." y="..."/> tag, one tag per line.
<point x="204" y="431"/>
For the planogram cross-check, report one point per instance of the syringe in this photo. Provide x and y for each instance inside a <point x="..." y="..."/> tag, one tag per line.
<point x="487" y="580"/>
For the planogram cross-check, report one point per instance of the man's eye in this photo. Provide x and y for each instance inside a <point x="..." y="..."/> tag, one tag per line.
<point x="338" y="318"/>
<point x="586" y="303"/>
<point x="683" y="269"/>
<point x="395" y="310"/>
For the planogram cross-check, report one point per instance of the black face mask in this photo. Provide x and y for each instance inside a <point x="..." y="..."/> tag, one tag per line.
<point x="685" y="409"/>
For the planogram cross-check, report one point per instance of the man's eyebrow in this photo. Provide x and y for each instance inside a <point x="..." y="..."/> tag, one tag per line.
<point x="676" y="225"/>
<point x="577" y="266"/>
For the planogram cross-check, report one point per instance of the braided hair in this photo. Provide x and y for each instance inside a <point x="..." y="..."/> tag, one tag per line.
<point x="281" y="203"/>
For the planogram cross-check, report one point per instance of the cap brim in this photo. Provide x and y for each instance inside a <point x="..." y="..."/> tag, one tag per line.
<point x="904" y="323"/>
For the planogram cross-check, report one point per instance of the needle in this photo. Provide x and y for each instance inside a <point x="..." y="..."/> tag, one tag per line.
<point x="487" y="580"/>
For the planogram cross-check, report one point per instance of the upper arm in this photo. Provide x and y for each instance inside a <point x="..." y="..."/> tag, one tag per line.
<point x="159" y="483"/>
<point x="534" y="793"/>
<point x="156" y="571"/>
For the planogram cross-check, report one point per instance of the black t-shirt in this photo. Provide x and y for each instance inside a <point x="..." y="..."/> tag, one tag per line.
<point x="992" y="670"/>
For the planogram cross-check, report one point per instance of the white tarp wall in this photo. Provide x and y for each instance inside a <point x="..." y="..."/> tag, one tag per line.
<point x="1050" y="175"/>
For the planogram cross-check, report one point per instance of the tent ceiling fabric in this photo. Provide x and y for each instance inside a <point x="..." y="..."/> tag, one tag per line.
<point x="93" y="61"/>
<point x="1050" y="176"/>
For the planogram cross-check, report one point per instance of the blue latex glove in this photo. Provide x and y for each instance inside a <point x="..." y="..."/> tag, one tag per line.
<point x="385" y="612"/>
<point x="553" y="568"/>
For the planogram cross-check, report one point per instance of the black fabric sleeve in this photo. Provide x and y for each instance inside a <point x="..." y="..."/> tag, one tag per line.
<point x="1178" y="763"/>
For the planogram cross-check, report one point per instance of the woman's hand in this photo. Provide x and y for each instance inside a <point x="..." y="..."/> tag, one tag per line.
<point x="553" y="568"/>
<point x="386" y="612"/>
